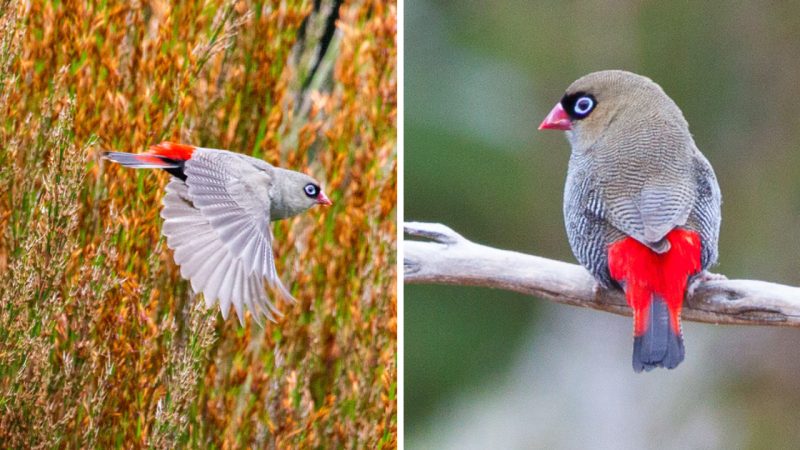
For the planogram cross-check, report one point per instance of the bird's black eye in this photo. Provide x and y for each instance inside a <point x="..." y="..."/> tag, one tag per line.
<point x="583" y="106"/>
<point x="311" y="190"/>
<point x="578" y="105"/>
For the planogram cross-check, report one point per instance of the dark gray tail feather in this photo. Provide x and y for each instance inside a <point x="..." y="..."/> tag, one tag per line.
<point x="134" y="160"/>
<point x="659" y="346"/>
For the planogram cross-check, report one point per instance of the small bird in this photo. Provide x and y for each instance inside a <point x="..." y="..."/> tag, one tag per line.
<point x="641" y="203"/>
<point x="217" y="213"/>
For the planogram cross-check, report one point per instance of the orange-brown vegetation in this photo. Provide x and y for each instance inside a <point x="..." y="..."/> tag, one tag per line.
<point x="102" y="344"/>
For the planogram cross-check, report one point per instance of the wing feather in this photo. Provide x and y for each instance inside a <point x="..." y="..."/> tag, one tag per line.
<point x="225" y="288"/>
<point x="205" y="254"/>
<point x="233" y="195"/>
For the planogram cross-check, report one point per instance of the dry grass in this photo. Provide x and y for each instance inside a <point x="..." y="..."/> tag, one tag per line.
<point x="101" y="343"/>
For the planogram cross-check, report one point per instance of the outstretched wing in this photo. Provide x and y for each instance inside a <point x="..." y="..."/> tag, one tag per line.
<point x="207" y="262"/>
<point x="218" y="224"/>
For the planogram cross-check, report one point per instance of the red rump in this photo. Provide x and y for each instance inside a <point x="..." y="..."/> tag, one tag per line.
<point x="645" y="272"/>
<point x="171" y="150"/>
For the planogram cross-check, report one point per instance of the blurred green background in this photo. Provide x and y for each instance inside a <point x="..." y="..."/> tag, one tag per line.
<point x="490" y="369"/>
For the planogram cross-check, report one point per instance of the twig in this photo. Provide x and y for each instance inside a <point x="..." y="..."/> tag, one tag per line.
<point x="452" y="259"/>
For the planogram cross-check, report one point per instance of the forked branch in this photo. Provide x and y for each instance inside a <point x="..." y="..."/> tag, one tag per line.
<point x="449" y="258"/>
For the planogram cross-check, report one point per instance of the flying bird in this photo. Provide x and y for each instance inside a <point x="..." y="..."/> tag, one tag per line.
<point x="641" y="203"/>
<point x="217" y="213"/>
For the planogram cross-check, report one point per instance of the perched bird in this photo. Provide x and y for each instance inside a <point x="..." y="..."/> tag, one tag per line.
<point x="217" y="213"/>
<point x="641" y="203"/>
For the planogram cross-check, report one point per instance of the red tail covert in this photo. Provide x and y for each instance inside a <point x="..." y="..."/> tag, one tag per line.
<point x="172" y="150"/>
<point x="645" y="273"/>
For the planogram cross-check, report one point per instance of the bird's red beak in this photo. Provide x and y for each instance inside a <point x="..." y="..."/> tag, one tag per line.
<point x="556" y="120"/>
<point x="323" y="199"/>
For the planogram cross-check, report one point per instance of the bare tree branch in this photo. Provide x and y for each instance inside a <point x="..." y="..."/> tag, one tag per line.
<point x="452" y="259"/>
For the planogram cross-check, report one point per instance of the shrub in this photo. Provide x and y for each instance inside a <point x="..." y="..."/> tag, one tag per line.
<point x="101" y="342"/>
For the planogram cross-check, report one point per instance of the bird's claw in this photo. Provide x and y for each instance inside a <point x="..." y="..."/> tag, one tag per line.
<point x="701" y="278"/>
<point x="597" y="290"/>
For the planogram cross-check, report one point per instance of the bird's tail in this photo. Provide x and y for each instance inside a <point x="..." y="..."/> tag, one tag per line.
<point x="660" y="345"/>
<point x="655" y="286"/>
<point x="142" y="160"/>
<point x="166" y="155"/>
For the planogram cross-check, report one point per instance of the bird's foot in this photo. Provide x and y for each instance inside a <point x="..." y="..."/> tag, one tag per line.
<point x="600" y="293"/>
<point x="597" y="290"/>
<point x="701" y="278"/>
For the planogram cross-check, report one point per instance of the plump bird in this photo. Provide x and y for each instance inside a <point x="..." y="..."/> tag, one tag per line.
<point x="641" y="203"/>
<point x="217" y="213"/>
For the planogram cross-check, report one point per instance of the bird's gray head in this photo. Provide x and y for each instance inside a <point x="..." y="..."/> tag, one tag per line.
<point x="293" y="193"/>
<point x="609" y="103"/>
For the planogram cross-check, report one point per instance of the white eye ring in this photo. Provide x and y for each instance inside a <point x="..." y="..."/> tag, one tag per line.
<point x="583" y="105"/>
<point x="310" y="189"/>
